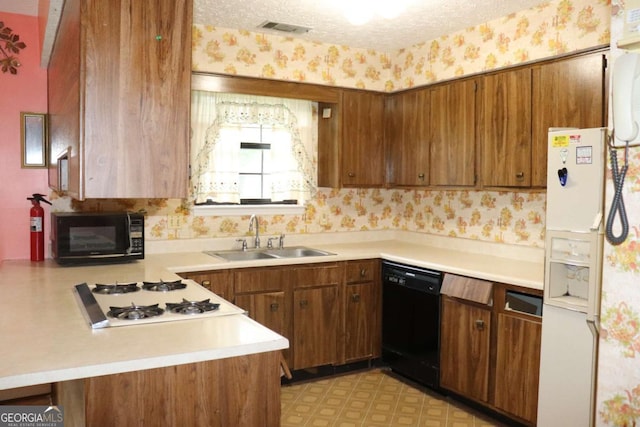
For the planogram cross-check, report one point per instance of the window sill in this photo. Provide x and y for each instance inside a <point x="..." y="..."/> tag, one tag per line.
<point x="234" y="210"/>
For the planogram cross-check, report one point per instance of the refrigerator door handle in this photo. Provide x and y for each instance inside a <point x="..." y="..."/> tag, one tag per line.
<point x="597" y="221"/>
<point x="594" y="325"/>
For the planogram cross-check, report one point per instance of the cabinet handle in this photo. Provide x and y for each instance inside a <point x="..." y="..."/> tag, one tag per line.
<point x="274" y="307"/>
<point x="304" y="303"/>
<point x="520" y="176"/>
<point x="421" y="177"/>
<point x="363" y="272"/>
<point x="206" y="283"/>
<point x="351" y="175"/>
<point x="355" y="297"/>
<point x="480" y="325"/>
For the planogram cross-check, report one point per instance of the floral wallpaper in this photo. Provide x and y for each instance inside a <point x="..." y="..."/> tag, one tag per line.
<point x="552" y="28"/>
<point x="618" y="395"/>
<point x="507" y="217"/>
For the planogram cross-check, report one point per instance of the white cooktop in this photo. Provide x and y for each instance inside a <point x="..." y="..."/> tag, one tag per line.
<point x="143" y="297"/>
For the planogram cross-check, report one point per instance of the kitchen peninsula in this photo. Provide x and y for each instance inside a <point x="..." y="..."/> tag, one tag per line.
<point x="51" y="342"/>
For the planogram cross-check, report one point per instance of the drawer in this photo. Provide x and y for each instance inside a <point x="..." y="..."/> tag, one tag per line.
<point x="320" y="275"/>
<point x="218" y="282"/>
<point x="259" y="280"/>
<point x="362" y="271"/>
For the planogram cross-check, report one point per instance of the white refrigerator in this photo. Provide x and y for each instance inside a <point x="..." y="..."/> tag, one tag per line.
<point x="573" y="270"/>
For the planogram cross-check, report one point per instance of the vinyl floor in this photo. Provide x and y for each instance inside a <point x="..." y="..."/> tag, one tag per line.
<point x="372" y="398"/>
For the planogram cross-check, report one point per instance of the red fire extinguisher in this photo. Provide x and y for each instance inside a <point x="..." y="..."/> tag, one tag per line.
<point x="37" y="226"/>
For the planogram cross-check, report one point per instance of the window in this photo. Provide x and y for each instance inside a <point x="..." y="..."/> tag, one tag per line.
<point x="252" y="150"/>
<point x="255" y="179"/>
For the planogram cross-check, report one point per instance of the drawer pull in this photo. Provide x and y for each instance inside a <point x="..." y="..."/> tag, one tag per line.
<point x="421" y="176"/>
<point x="480" y="325"/>
<point x="520" y="176"/>
<point x="274" y="307"/>
<point x="304" y="303"/>
<point x="351" y="175"/>
<point x="206" y="283"/>
<point x="355" y="298"/>
<point x="363" y="272"/>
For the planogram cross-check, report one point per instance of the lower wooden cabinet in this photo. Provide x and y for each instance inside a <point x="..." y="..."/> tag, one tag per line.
<point x="465" y="348"/>
<point x="236" y="391"/>
<point x="316" y="313"/>
<point x="315" y="326"/>
<point x="331" y="313"/>
<point x="219" y="282"/>
<point x="518" y="366"/>
<point x="362" y="311"/>
<point x="490" y="352"/>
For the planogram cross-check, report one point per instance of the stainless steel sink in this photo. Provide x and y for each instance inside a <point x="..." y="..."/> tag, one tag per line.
<point x="297" y="252"/>
<point x="240" y="255"/>
<point x="255" y="254"/>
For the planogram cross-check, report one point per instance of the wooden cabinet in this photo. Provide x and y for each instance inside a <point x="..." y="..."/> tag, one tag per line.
<point x="362" y="310"/>
<point x="490" y="345"/>
<point x="362" y="148"/>
<point x="566" y="93"/>
<point x="263" y="292"/>
<point x="29" y="395"/>
<point x="119" y="97"/>
<point x="465" y="348"/>
<point x="518" y="365"/>
<point x="452" y="134"/>
<point x="235" y="391"/>
<point x="331" y="313"/>
<point x="505" y="129"/>
<point x="407" y="138"/>
<point x="518" y="338"/>
<point x="219" y="282"/>
<point x="316" y="311"/>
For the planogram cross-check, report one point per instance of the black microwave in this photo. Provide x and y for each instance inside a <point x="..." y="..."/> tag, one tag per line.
<point x="96" y="238"/>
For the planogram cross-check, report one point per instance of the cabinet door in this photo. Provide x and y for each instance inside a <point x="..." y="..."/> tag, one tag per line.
<point x="64" y="101"/>
<point x="218" y="282"/>
<point x="465" y="346"/>
<point x="124" y="94"/>
<point x="270" y="310"/>
<point x="518" y="366"/>
<point x="362" y="139"/>
<point x="315" y="326"/>
<point x="407" y="138"/>
<point x="452" y="134"/>
<point x="137" y="97"/>
<point x="567" y="93"/>
<point x="361" y="311"/>
<point x="506" y="129"/>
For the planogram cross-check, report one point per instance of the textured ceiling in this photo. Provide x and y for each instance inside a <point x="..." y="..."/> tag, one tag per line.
<point x="423" y="20"/>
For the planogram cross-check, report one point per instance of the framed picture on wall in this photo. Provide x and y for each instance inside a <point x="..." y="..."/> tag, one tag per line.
<point x="33" y="140"/>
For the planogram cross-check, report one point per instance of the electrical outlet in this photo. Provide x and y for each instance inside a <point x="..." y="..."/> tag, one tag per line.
<point x="175" y="221"/>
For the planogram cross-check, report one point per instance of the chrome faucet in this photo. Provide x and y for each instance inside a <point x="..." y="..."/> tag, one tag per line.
<point x="253" y="219"/>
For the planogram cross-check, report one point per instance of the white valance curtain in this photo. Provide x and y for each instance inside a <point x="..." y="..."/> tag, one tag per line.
<point x="216" y="121"/>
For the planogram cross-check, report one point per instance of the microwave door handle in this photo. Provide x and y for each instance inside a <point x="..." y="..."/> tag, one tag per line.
<point x="130" y="247"/>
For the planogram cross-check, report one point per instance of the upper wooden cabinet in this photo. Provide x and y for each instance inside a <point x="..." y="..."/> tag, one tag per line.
<point x="362" y="148"/>
<point x="505" y="129"/>
<point x="452" y="134"/>
<point x="407" y="138"/>
<point x="566" y="93"/>
<point x="119" y="97"/>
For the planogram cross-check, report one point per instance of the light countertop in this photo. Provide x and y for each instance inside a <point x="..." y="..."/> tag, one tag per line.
<point x="46" y="339"/>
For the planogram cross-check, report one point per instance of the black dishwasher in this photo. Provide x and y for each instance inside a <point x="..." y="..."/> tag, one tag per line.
<point x="411" y="321"/>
